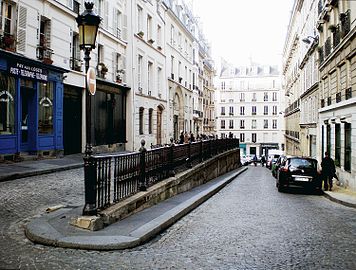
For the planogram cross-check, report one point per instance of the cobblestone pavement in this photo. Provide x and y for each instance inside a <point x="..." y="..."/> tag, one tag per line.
<point x="247" y="225"/>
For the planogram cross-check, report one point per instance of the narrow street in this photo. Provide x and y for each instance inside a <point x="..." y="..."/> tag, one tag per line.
<point x="247" y="225"/>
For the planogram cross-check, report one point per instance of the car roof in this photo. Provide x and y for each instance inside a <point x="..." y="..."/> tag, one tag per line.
<point x="301" y="157"/>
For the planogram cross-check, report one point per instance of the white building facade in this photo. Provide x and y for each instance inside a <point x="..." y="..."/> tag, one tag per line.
<point x="248" y="106"/>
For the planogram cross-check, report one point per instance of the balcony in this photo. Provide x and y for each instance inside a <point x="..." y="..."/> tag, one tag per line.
<point x="44" y="54"/>
<point x="76" y="64"/>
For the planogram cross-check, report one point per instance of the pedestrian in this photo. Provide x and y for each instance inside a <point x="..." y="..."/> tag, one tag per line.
<point x="192" y="138"/>
<point x="181" y="137"/>
<point x="263" y="160"/>
<point x="327" y="171"/>
<point x="186" y="137"/>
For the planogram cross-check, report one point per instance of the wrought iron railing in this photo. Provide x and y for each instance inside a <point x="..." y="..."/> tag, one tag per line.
<point x="116" y="177"/>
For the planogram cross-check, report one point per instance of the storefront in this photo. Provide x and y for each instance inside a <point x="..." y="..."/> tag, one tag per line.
<point x="31" y="106"/>
<point x="109" y="116"/>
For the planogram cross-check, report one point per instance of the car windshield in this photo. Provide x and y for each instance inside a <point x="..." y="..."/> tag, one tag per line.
<point x="303" y="163"/>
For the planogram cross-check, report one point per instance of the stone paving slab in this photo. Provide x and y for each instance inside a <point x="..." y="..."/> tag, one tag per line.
<point x="54" y="229"/>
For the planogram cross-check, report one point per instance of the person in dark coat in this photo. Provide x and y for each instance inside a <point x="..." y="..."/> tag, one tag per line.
<point x="327" y="171"/>
<point x="181" y="137"/>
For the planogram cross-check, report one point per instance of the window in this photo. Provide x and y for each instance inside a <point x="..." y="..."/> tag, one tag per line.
<point x="265" y="96"/>
<point x="274" y="124"/>
<point x="274" y="109"/>
<point x="231" y="110"/>
<point x="172" y="35"/>
<point x="139" y="19"/>
<point x="222" y="110"/>
<point x="150" y="121"/>
<point x="242" y="124"/>
<point x="254" y="137"/>
<point x="44" y="50"/>
<point x="149" y="27"/>
<point x="117" y="23"/>
<point x="159" y="80"/>
<point x="141" y="113"/>
<point x="7" y="104"/>
<point x="231" y="100"/>
<point x="254" y="110"/>
<point x="45" y="108"/>
<point x="254" y="97"/>
<point x="347" y="165"/>
<point x="242" y="96"/>
<point x="139" y="73"/>
<point x="242" y="137"/>
<point x="328" y="138"/>
<point x="274" y="96"/>
<point x="337" y="144"/>
<point x="242" y="110"/>
<point x="149" y="78"/>
<point x="265" y="110"/>
<point x="7" y="18"/>
<point x="223" y="85"/>
<point x="253" y="124"/>
<point x="265" y="123"/>
<point x="222" y="124"/>
<point x="159" y="34"/>
<point x="231" y="124"/>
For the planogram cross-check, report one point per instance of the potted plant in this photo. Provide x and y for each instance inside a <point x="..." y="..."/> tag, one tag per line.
<point x="159" y="48"/>
<point x="151" y="41"/>
<point x="141" y="34"/>
<point x="47" y="60"/>
<point x="119" y="74"/>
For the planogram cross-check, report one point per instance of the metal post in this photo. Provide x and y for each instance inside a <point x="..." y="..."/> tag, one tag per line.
<point x="89" y="162"/>
<point x="171" y="171"/>
<point x="189" y="158"/>
<point x="143" y="150"/>
<point x="201" y="151"/>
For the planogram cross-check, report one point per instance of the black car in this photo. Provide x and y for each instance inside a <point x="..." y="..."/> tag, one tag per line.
<point x="298" y="171"/>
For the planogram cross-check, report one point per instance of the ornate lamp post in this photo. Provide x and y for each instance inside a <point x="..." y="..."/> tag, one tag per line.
<point x="88" y="24"/>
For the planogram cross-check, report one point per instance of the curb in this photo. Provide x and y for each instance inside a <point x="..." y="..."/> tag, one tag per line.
<point x="333" y="199"/>
<point x="13" y="176"/>
<point x="40" y="231"/>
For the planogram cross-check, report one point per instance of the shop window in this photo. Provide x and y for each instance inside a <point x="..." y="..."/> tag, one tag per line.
<point x="45" y="108"/>
<point x="7" y="104"/>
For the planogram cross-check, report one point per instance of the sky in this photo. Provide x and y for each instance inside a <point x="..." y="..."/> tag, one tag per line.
<point x="240" y="30"/>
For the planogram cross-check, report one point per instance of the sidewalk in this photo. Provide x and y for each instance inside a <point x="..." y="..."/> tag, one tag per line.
<point x="15" y="170"/>
<point x="342" y="196"/>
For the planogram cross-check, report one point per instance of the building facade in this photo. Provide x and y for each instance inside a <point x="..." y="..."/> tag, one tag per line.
<point x="319" y="81"/>
<point x="248" y="107"/>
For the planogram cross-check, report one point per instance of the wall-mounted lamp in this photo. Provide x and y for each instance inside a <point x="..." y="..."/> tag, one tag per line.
<point x="310" y="39"/>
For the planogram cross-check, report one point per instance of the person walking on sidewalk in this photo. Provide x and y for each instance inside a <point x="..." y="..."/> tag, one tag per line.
<point x="327" y="171"/>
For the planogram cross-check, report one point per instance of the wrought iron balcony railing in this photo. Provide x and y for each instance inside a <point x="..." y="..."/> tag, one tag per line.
<point x="44" y="54"/>
<point x="76" y="64"/>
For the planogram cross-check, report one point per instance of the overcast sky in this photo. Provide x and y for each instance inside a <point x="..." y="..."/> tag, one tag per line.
<point x="240" y="29"/>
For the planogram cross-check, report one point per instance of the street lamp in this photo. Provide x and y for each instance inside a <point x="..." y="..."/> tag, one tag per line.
<point x="88" y="24"/>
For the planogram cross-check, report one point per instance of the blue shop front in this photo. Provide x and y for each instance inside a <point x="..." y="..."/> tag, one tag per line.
<point x="31" y="107"/>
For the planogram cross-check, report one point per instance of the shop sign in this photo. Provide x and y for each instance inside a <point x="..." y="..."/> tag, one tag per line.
<point x="27" y="71"/>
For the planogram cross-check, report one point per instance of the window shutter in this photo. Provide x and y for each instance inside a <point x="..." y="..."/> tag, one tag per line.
<point x="124" y="27"/>
<point x="106" y="15"/>
<point x="21" y="29"/>
<point x="115" y="26"/>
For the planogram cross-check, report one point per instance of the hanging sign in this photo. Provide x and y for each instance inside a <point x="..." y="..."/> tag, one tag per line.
<point x="91" y="81"/>
<point x="27" y="71"/>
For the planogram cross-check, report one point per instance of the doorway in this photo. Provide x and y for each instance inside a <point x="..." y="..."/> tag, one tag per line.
<point x="28" y="119"/>
<point x="72" y="120"/>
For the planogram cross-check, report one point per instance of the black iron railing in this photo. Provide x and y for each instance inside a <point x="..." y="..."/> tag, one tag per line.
<point x="123" y="175"/>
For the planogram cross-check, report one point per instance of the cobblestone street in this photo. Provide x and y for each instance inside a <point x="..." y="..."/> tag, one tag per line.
<point x="247" y="225"/>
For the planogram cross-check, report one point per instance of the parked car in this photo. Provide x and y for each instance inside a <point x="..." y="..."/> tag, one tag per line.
<point x="272" y="156"/>
<point x="298" y="171"/>
<point x="244" y="160"/>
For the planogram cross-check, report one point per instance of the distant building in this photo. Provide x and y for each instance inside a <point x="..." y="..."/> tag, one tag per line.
<point x="248" y="105"/>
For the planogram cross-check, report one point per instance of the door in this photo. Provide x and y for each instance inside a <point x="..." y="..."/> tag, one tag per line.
<point x="72" y="120"/>
<point x="28" y="133"/>
<point x="159" y="125"/>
